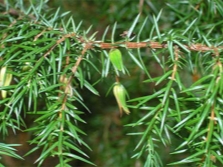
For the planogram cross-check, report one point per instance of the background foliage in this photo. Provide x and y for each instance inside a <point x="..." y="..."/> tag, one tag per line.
<point x="57" y="80"/>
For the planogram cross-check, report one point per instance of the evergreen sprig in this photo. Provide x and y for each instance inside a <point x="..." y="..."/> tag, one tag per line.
<point x="45" y="61"/>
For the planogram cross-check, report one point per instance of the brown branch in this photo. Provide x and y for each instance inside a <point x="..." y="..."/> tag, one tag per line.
<point x="155" y="45"/>
<point x="176" y="54"/>
<point x="58" y="42"/>
<point x="103" y="45"/>
<point x="213" y="121"/>
<point x="67" y="88"/>
<point x="141" y="2"/>
<point x="38" y="35"/>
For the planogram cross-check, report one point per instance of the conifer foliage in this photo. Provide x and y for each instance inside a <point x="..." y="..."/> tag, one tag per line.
<point x="47" y="60"/>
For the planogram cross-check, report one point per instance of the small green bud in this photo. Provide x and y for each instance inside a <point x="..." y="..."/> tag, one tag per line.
<point x="120" y="95"/>
<point x="5" y="80"/>
<point x="115" y="57"/>
<point x="27" y="66"/>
